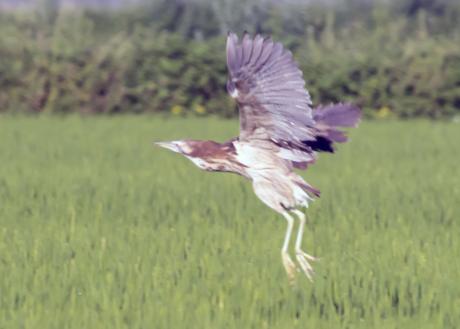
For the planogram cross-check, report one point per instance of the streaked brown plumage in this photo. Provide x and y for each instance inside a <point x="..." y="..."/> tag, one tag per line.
<point x="279" y="131"/>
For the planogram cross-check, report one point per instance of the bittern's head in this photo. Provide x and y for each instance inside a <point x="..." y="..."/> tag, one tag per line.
<point x="199" y="152"/>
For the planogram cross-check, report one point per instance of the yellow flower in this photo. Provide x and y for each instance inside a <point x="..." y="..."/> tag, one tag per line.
<point x="177" y="110"/>
<point x="199" y="109"/>
<point x="383" y="112"/>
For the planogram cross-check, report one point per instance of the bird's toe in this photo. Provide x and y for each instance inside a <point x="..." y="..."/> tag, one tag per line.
<point x="303" y="260"/>
<point x="289" y="266"/>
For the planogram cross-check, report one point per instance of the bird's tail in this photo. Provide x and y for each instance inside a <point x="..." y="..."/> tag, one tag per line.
<point x="328" y="119"/>
<point x="310" y="191"/>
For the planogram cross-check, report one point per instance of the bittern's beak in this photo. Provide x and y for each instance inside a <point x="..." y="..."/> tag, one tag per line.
<point x="173" y="146"/>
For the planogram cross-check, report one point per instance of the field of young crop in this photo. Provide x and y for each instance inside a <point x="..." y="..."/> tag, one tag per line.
<point x="100" y="229"/>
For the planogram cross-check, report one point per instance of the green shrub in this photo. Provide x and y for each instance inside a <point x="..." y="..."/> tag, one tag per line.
<point x="389" y="65"/>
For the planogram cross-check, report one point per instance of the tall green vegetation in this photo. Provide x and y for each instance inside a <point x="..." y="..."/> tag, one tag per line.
<point x="400" y="60"/>
<point x="101" y="230"/>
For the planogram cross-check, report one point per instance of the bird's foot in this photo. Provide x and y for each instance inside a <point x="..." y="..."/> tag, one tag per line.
<point x="303" y="258"/>
<point x="289" y="266"/>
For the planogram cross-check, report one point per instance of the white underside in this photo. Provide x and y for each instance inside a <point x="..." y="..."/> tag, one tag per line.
<point x="273" y="180"/>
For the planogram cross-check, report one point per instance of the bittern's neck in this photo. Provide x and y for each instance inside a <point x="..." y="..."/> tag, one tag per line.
<point x="210" y="149"/>
<point x="213" y="156"/>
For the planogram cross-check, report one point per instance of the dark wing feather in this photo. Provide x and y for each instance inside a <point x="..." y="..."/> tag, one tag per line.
<point x="270" y="91"/>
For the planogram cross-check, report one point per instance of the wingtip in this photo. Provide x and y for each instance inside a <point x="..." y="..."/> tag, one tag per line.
<point x="356" y="110"/>
<point x="246" y="37"/>
<point x="232" y="38"/>
<point x="355" y="113"/>
<point x="338" y="114"/>
<point x="231" y="34"/>
<point x="267" y="40"/>
<point x="258" y="37"/>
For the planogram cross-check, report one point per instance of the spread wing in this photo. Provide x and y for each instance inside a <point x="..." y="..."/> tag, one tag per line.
<point x="270" y="91"/>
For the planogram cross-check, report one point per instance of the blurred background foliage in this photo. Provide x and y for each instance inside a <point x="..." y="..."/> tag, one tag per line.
<point x="393" y="58"/>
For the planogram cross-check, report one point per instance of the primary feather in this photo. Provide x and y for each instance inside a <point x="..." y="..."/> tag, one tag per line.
<point x="270" y="91"/>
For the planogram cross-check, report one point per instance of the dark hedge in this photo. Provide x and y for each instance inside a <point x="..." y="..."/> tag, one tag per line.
<point x="404" y="65"/>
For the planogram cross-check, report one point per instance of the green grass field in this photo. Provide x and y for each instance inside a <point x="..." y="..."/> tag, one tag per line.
<point x="99" y="229"/>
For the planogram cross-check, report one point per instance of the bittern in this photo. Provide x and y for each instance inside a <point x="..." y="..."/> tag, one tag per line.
<point x="279" y="131"/>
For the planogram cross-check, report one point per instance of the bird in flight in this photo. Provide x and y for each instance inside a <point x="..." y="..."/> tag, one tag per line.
<point x="279" y="132"/>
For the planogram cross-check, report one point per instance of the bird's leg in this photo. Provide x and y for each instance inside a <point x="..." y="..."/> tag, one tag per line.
<point x="289" y="265"/>
<point x="302" y="257"/>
